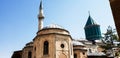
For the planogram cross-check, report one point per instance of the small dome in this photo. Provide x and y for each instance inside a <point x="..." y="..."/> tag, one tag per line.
<point x="77" y="43"/>
<point x="53" y="26"/>
<point x="29" y="44"/>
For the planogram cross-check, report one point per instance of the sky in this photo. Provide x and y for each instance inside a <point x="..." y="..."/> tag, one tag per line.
<point x="19" y="22"/>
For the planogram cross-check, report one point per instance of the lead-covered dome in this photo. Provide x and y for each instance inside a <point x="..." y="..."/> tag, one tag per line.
<point x="53" y="28"/>
<point x="77" y="43"/>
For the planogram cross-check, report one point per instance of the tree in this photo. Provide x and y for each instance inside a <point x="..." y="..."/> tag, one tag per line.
<point x="109" y="38"/>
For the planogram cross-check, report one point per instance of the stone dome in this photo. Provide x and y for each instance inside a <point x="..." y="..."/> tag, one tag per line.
<point x="29" y="44"/>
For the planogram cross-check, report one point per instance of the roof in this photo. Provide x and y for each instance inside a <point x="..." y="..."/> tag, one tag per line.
<point x="77" y="43"/>
<point x="96" y="54"/>
<point x="90" y="21"/>
<point x="41" y="11"/>
<point x="29" y="44"/>
<point x="53" y="26"/>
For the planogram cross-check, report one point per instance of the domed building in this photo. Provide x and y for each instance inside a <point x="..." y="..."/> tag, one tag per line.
<point x="53" y="41"/>
<point x="79" y="49"/>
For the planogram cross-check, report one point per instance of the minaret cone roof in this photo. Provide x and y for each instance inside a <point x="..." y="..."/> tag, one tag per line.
<point x="41" y="10"/>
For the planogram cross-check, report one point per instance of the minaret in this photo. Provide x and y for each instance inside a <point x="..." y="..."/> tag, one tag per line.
<point x="40" y="16"/>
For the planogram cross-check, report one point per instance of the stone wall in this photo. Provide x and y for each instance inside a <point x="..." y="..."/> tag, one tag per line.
<point x="26" y="51"/>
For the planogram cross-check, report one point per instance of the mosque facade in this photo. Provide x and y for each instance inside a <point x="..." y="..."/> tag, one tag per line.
<point x="53" y="41"/>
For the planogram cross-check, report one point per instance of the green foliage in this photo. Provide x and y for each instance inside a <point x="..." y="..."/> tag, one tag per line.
<point x="107" y="46"/>
<point x="110" y="36"/>
<point x="115" y="37"/>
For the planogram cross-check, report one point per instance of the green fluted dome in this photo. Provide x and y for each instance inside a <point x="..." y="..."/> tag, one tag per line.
<point x="92" y="30"/>
<point x="90" y="21"/>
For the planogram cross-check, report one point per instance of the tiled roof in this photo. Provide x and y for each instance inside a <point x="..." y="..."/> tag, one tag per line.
<point x="90" y="21"/>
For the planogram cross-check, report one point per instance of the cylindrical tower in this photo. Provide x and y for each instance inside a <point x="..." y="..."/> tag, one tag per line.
<point x="92" y="30"/>
<point x="40" y="17"/>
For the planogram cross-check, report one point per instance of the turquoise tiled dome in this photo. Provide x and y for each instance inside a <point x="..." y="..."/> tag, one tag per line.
<point x="92" y="30"/>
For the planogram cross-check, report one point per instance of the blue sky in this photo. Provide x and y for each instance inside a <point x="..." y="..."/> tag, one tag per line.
<point x="19" y="23"/>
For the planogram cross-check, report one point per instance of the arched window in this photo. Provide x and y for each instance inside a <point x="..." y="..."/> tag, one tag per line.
<point x="46" y="48"/>
<point x="29" y="54"/>
<point x="75" y="55"/>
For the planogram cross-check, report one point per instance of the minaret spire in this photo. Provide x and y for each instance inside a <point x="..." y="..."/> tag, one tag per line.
<point x="40" y="16"/>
